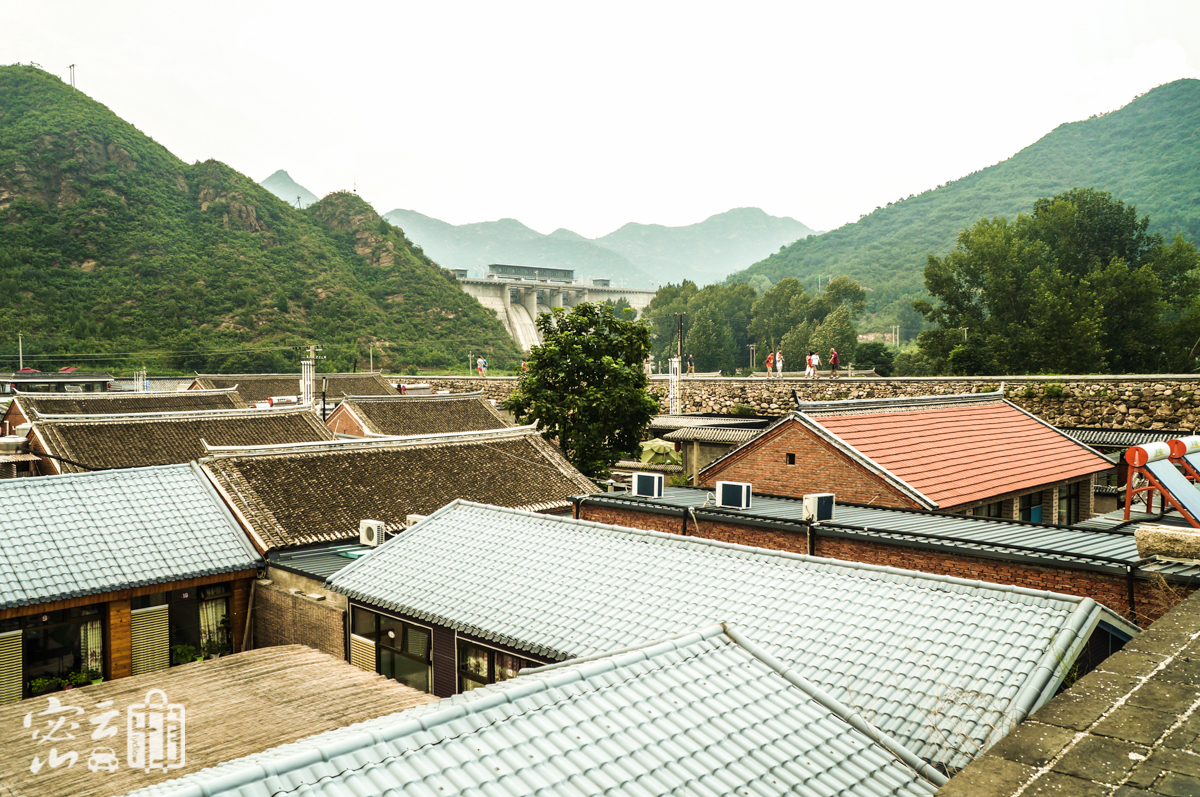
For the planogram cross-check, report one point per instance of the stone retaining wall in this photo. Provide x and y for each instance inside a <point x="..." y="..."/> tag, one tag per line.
<point x="1119" y="402"/>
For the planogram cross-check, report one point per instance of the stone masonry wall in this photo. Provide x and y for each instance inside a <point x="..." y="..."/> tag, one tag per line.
<point x="282" y="617"/>
<point x="1119" y="402"/>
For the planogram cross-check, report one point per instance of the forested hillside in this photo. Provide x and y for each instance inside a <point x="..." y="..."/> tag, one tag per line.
<point x="1146" y="154"/>
<point x="109" y="244"/>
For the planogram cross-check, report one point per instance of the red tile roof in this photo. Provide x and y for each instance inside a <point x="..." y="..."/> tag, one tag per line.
<point x="960" y="454"/>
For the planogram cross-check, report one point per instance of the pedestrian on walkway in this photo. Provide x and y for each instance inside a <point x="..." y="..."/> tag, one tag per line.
<point x="770" y="363"/>
<point x="816" y="363"/>
<point x="779" y="363"/>
<point x="691" y="361"/>
<point x="833" y="363"/>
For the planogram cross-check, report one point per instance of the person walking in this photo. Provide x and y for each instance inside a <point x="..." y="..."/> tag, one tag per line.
<point x="808" y="365"/>
<point x="779" y="363"/>
<point x="770" y="363"/>
<point x="816" y="363"/>
<point x="691" y="361"/>
<point x="833" y="363"/>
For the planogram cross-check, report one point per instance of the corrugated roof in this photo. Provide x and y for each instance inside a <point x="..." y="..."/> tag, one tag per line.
<point x="126" y="441"/>
<point x="960" y="454"/>
<point x="703" y="714"/>
<point x="418" y="415"/>
<point x="936" y="662"/>
<point x="256" y="388"/>
<point x="114" y="403"/>
<point x="319" y="561"/>
<point x="707" y="434"/>
<point x="300" y="495"/>
<point x="91" y="533"/>
<point x="233" y="706"/>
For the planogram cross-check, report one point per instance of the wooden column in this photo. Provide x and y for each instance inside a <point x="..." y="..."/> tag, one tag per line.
<point x="239" y="604"/>
<point x="118" y="640"/>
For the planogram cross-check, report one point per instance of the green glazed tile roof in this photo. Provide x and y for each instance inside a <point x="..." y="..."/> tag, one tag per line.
<point x="92" y="533"/>
<point x="704" y="714"/>
<point x="942" y="664"/>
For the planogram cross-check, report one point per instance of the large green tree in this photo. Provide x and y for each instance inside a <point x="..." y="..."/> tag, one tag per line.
<point x="1077" y="286"/>
<point x="585" y="386"/>
<point x="710" y="340"/>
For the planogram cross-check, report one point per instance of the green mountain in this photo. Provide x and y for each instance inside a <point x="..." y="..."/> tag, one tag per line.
<point x="636" y="255"/>
<point x="114" y="253"/>
<point x="704" y="252"/>
<point x="1146" y="154"/>
<point x="283" y="186"/>
<point x="474" y="246"/>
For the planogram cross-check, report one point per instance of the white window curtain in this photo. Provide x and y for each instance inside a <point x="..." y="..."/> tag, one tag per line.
<point x="91" y="643"/>
<point x="211" y="615"/>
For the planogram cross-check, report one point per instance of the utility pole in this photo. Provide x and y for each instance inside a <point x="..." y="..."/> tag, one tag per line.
<point x="964" y="331"/>
<point x="372" y="355"/>
<point x="20" y="352"/>
<point x="72" y="68"/>
<point x="679" y="320"/>
<point x="324" y="386"/>
<point x="752" y="359"/>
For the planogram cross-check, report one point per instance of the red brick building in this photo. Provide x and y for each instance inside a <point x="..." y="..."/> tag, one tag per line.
<point x="972" y="453"/>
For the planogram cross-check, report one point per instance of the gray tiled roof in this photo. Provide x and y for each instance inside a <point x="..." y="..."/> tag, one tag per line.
<point x="91" y="533"/>
<point x="1120" y="438"/>
<point x="941" y="664"/>
<point x="259" y="387"/>
<point x="126" y="441"/>
<point x="706" y="713"/>
<point x="300" y="495"/>
<point x="707" y="434"/>
<point x="409" y="415"/>
<point x="117" y="403"/>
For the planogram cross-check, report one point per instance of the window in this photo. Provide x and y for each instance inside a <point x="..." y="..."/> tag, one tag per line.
<point x="479" y="666"/>
<point x="403" y="649"/>
<point x="59" y="643"/>
<point x="989" y="510"/>
<point x="1031" y="507"/>
<point x="1068" y="504"/>
<point x="791" y="459"/>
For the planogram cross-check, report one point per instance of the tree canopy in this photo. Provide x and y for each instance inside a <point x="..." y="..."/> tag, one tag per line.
<point x="1078" y="286"/>
<point x="585" y="386"/>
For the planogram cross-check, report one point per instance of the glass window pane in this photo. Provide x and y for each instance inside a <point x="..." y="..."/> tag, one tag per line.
<point x="146" y="601"/>
<point x="363" y="622"/>
<point x="473" y="659"/>
<point x="416" y="642"/>
<point x="507" y="666"/>
<point x="403" y="669"/>
<point x="391" y="632"/>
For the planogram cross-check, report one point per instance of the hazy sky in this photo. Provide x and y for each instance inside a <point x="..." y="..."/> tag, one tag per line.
<point x="587" y="116"/>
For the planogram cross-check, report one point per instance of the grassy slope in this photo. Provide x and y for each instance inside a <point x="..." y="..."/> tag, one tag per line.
<point x="110" y="243"/>
<point x="1146" y="153"/>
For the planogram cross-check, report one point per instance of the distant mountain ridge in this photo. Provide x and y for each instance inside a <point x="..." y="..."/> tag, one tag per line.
<point x="110" y="243"/>
<point x="1146" y="154"/>
<point x="283" y="186"/>
<point x="636" y="255"/>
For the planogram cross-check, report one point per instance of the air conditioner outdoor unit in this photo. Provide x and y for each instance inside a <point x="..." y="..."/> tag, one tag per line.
<point x="370" y="532"/>
<point x="733" y="495"/>
<point x="648" y="485"/>
<point x="818" y="506"/>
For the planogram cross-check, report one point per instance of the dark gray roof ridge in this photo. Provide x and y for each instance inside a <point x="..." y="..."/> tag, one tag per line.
<point x="182" y="415"/>
<point x="369" y="443"/>
<point x="898" y="403"/>
<point x="416" y="398"/>
<point x="316" y="376"/>
<point x="122" y="394"/>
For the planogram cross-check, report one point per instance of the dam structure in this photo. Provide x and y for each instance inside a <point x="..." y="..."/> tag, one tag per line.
<point x="517" y="294"/>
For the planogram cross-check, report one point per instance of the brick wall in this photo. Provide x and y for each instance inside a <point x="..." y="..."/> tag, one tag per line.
<point x="285" y="618"/>
<point x="1153" y="597"/>
<point x="817" y="466"/>
<point x="342" y="421"/>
